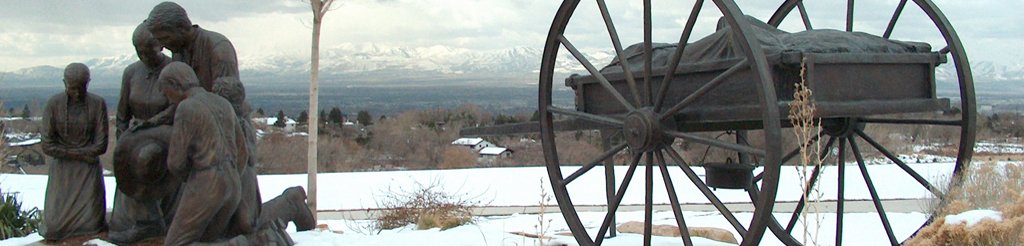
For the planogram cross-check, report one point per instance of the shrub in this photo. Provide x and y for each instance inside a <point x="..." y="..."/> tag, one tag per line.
<point x="984" y="186"/>
<point x="427" y="206"/>
<point x="15" y="222"/>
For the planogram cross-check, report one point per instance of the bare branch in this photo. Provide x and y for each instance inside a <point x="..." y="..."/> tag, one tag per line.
<point x="325" y="7"/>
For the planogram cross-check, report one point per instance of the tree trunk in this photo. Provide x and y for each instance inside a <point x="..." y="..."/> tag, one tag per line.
<point x="314" y="119"/>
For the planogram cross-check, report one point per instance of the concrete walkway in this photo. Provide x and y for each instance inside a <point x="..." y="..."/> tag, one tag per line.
<point x="858" y="206"/>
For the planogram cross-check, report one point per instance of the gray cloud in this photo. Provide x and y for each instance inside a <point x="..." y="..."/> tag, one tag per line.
<point x="113" y="12"/>
<point x="43" y="33"/>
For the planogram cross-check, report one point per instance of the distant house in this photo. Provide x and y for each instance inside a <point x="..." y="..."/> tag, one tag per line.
<point x="495" y="152"/>
<point x="476" y="144"/>
<point x="289" y="124"/>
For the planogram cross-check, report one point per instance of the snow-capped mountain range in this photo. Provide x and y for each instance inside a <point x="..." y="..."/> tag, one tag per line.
<point x="370" y="61"/>
<point x="349" y="60"/>
<point x="354" y="59"/>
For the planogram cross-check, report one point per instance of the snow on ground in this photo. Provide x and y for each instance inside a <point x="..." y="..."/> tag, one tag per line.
<point x="973" y="217"/>
<point x="1011" y="147"/>
<point x="860" y="229"/>
<point x="19" y="136"/>
<point x="522" y="187"/>
<point x="21" y="118"/>
<point x="999" y="148"/>
<point x="495" y="230"/>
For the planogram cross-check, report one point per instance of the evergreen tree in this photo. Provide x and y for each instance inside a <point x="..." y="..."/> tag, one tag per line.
<point x="323" y="116"/>
<point x="280" y="119"/>
<point x="335" y="116"/>
<point x="505" y="119"/>
<point x="260" y="113"/>
<point x="303" y="117"/>
<point x="364" y="118"/>
<point x="25" y="112"/>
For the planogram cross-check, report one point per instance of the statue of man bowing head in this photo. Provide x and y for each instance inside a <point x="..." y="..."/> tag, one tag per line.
<point x="210" y="54"/>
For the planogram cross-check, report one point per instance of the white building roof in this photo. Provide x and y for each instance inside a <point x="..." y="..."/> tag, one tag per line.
<point x="468" y="141"/>
<point x="272" y="120"/>
<point x="29" y="142"/>
<point x="265" y="120"/>
<point x="492" y="150"/>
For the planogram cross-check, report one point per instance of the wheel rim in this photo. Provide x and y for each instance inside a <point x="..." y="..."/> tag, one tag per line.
<point x="649" y="129"/>
<point x="852" y="139"/>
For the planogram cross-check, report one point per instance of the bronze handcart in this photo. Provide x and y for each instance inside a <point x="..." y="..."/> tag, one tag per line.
<point x="739" y="79"/>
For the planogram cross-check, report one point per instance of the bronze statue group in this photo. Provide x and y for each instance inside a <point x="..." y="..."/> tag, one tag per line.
<point x="184" y="159"/>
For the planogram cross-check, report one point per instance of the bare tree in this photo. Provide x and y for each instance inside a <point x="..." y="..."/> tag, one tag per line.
<point x="458" y="157"/>
<point x="320" y="8"/>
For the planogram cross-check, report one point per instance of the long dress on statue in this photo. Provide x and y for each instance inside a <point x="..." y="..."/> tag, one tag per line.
<point x="146" y="194"/>
<point x="74" y="134"/>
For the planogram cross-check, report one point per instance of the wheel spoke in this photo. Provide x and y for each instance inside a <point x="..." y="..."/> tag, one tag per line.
<point x="609" y="173"/>
<point x="804" y="16"/>
<point x="874" y="193"/>
<point x="648" y="49"/>
<point x="649" y="200"/>
<point x="895" y="16"/>
<point x="841" y="190"/>
<point x="900" y="163"/>
<point x="614" y="206"/>
<point x="813" y="179"/>
<point x="821" y="156"/>
<point x="849" y="15"/>
<point x="796" y="151"/>
<point x="913" y="121"/>
<point x="773" y="224"/>
<point x="674" y="200"/>
<point x="590" y="165"/>
<point x="803" y="199"/>
<point x="623" y="62"/>
<point x="714" y="142"/>
<point x="786" y="8"/>
<point x="705" y="88"/>
<point x="673" y="63"/>
<point x="586" y="116"/>
<point x="596" y="73"/>
<point x="944" y="50"/>
<point x="707" y="193"/>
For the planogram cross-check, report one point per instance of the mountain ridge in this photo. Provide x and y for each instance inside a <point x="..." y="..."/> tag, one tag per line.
<point x="369" y="63"/>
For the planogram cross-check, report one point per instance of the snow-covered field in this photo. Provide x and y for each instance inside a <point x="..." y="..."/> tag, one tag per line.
<point x="522" y="187"/>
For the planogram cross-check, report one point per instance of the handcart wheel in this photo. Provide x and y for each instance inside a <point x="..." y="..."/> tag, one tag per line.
<point x="846" y="136"/>
<point x="649" y="129"/>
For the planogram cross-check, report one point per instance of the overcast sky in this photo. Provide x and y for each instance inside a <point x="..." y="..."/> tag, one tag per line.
<point x="55" y="33"/>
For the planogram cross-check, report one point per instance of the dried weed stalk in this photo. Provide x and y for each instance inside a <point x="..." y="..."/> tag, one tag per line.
<point x="542" y="224"/>
<point x="806" y="127"/>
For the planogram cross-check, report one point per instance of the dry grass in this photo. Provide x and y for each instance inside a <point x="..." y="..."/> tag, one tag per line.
<point x="985" y="186"/>
<point x="426" y="206"/>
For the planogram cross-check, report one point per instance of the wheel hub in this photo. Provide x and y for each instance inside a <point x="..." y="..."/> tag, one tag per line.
<point x="643" y="131"/>
<point x="840" y="127"/>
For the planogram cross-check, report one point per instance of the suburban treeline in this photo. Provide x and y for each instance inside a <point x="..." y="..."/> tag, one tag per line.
<point x="422" y="140"/>
<point x="408" y="141"/>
